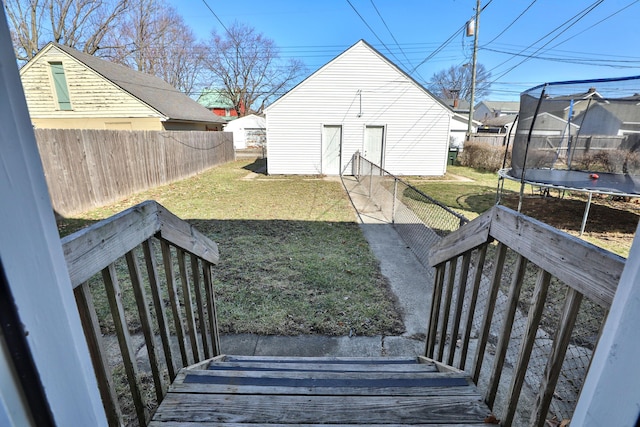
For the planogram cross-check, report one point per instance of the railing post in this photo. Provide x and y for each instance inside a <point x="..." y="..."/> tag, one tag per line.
<point x="432" y="329"/>
<point x="559" y="350"/>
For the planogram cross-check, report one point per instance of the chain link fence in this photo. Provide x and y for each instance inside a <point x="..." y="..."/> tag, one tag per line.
<point x="419" y="219"/>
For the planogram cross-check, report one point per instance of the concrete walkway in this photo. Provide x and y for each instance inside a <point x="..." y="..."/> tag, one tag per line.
<point x="410" y="282"/>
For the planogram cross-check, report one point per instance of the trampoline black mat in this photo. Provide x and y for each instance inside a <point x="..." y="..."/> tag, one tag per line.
<point x="607" y="183"/>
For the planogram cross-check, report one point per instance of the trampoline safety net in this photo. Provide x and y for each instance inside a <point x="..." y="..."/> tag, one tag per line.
<point x="580" y="134"/>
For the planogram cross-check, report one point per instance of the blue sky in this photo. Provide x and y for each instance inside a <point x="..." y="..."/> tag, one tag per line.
<point x="598" y="45"/>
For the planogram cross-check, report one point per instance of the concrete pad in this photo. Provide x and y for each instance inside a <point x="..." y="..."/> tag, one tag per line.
<point x="403" y="346"/>
<point x="239" y="344"/>
<point x="300" y="345"/>
<point x="410" y="281"/>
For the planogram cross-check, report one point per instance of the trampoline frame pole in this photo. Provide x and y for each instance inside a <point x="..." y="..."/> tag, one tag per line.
<point x="504" y="163"/>
<point x="586" y="214"/>
<point x="526" y="150"/>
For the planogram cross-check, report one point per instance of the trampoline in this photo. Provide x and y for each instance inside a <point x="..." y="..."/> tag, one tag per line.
<point x="581" y="136"/>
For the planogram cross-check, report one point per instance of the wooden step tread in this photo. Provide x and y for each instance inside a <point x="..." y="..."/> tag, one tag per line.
<point x="216" y="424"/>
<point x="366" y="410"/>
<point x="318" y="374"/>
<point x="244" y="391"/>
<point x="312" y="367"/>
<point x="325" y="360"/>
<point x="376" y="386"/>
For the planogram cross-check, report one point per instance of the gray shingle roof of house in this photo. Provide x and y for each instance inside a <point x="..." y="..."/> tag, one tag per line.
<point x="151" y="90"/>
<point x="463" y="105"/>
<point x="504" y="106"/>
<point x="499" y="121"/>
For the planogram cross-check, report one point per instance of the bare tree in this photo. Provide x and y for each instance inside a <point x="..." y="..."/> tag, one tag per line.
<point x="446" y="83"/>
<point x="246" y="67"/>
<point x="81" y="24"/>
<point x="153" y="38"/>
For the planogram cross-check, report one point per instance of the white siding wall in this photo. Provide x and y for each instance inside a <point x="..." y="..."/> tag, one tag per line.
<point x="91" y="95"/>
<point x="417" y="126"/>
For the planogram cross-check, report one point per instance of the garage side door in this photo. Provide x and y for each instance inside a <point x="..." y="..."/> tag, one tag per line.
<point x="331" y="144"/>
<point x="374" y="144"/>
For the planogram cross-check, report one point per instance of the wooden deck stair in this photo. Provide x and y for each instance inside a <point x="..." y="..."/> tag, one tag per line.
<point x="242" y="390"/>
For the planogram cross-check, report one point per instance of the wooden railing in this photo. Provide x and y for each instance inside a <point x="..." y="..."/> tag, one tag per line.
<point x="104" y="265"/>
<point x="475" y="303"/>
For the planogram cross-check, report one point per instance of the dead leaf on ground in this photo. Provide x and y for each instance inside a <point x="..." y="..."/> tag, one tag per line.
<point x="491" y="419"/>
<point x="554" y="422"/>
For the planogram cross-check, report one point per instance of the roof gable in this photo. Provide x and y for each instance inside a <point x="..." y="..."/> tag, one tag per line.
<point x="357" y="45"/>
<point x="151" y="90"/>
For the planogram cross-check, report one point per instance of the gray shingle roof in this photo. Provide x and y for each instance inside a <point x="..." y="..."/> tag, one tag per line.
<point x="151" y="90"/>
<point x="504" y="106"/>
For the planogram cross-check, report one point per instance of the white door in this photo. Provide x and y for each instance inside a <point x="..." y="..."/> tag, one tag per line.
<point x="374" y="144"/>
<point x="331" y="142"/>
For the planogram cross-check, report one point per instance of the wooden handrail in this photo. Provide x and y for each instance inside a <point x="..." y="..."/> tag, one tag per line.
<point x="590" y="270"/>
<point x="91" y="249"/>
<point x="187" y="257"/>
<point x="589" y="273"/>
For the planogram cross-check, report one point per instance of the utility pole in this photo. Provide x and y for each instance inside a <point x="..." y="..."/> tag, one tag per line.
<point x="473" y="69"/>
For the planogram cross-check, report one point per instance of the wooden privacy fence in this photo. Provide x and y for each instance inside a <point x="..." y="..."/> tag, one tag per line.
<point x="173" y="306"/>
<point x="532" y="331"/>
<point x="496" y="140"/>
<point x="87" y="168"/>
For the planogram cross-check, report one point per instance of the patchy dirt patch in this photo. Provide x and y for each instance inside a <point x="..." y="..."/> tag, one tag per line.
<point x="611" y="220"/>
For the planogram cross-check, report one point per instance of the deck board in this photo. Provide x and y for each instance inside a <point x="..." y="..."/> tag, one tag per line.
<point x="270" y="409"/>
<point x="327" y="360"/>
<point x="215" y="424"/>
<point x="361" y="384"/>
<point x="329" y="367"/>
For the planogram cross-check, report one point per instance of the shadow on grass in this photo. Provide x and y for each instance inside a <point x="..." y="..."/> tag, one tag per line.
<point x="283" y="277"/>
<point x="259" y="166"/>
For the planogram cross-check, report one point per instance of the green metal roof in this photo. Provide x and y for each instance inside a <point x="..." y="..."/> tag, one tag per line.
<point x="214" y="98"/>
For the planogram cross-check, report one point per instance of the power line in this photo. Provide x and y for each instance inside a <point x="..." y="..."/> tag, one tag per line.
<point x="374" y="33"/>
<point x="439" y="49"/>
<point x="593" y="62"/>
<point x="446" y="42"/>
<point x="576" y="18"/>
<point x="593" y="25"/>
<point x="217" y="18"/>
<point x="391" y="34"/>
<point x="512" y="22"/>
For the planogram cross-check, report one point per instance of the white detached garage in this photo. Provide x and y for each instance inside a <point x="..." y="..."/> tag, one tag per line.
<point x="359" y="101"/>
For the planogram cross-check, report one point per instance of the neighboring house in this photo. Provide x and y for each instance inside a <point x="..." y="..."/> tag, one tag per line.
<point x="69" y="89"/>
<point x="491" y="109"/>
<point x="219" y="104"/>
<point x="359" y="101"/>
<point x="500" y="125"/>
<point x="548" y="125"/>
<point x="248" y="131"/>
<point x="613" y="117"/>
<point x="459" y="128"/>
<point x="561" y="106"/>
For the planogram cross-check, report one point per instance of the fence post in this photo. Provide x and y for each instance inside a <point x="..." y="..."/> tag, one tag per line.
<point x="395" y="195"/>
<point x="370" y="180"/>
